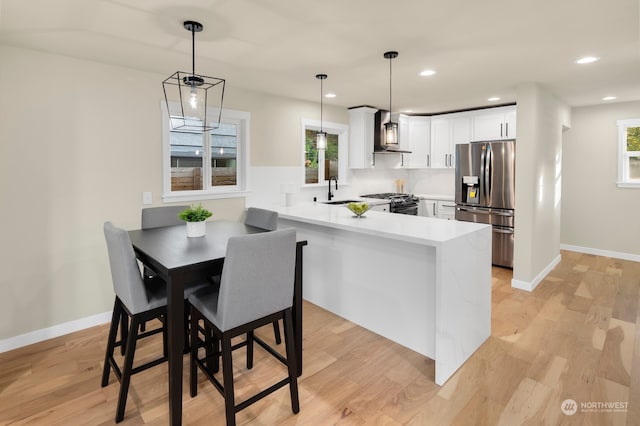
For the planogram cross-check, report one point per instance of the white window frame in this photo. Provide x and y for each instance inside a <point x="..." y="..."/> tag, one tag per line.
<point x="243" y="120"/>
<point x="342" y="130"/>
<point x="623" y="155"/>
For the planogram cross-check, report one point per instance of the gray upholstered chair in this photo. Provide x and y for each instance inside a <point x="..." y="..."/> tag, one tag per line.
<point x="261" y="218"/>
<point x="264" y="219"/>
<point x="256" y="289"/>
<point x="156" y="217"/>
<point x="139" y="301"/>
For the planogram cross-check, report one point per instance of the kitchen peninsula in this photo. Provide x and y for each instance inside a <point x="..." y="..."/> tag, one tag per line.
<point x="424" y="283"/>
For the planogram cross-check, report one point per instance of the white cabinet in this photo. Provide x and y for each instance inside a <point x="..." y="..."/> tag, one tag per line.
<point x="428" y="208"/>
<point x="361" y="128"/>
<point x="448" y="130"/>
<point x="446" y="210"/>
<point x="418" y="133"/>
<point x="494" y="123"/>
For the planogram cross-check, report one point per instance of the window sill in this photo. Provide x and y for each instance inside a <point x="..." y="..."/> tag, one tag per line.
<point x="201" y="196"/>
<point x="628" y="184"/>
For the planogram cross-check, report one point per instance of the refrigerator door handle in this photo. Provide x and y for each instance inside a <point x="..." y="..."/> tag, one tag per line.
<point x="487" y="174"/>
<point x="502" y="230"/>
<point x="473" y="210"/>
<point x="485" y="211"/>
<point x="483" y="182"/>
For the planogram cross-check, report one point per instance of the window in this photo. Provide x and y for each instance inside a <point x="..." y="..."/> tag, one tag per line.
<point x="319" y="166"/>
<point x="629" y="153"/>
<point x="206" y="165"/>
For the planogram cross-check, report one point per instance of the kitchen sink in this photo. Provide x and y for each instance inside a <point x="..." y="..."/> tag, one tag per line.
<point x="338" y="202"/>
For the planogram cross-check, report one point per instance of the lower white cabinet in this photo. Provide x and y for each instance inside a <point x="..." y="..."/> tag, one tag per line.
<point x="447" y="210"/>
<point x="428" y="208"/>
<point x="437" y="208"/>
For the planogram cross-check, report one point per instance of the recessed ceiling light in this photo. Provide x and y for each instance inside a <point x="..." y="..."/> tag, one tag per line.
<point x="493" y="99"/>
<point x="427" y="73"/>
<point x="408" y="111"/>
<point x="330" y="95"/>
<point x="609" y="98"/>
<point x="586" y="60"/>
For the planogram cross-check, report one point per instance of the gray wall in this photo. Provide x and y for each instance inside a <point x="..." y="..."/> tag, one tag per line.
<point x="596" y="214"/>
<point x="79" y="143"/>
<point x="541" y="118"/>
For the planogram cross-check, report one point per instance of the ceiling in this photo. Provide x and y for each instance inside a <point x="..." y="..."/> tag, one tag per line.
<point x="479" y="49"/>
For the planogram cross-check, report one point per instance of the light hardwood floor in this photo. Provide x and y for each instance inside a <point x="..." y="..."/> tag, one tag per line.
<point x="577" y="336"/>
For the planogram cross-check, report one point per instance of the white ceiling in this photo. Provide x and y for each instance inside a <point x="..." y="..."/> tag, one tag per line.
<point x="479" y="48"/>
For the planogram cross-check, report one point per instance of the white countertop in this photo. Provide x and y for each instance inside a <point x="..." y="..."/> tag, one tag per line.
<point x="414" y="229"/>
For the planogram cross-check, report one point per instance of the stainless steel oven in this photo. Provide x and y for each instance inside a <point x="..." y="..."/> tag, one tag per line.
<point x="398" y="203"/>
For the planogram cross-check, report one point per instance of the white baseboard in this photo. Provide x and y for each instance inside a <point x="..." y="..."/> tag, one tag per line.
<point x="530" y="286"/>
<point x="55" y="331"/>
<point x="599" y="252"/>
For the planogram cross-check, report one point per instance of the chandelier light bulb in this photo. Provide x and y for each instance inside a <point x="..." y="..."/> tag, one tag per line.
<point x="193" y="98"/>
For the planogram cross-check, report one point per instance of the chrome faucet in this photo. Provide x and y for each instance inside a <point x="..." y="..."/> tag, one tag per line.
<point x="331" y="193"/>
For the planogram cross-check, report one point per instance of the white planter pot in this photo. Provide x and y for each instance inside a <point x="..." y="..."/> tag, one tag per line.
<point x="196" y="229"/>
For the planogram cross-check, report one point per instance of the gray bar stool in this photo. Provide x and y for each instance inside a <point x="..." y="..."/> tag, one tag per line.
<point x="137" y="300"/>
<point x="264" y="219"/>
<point x="256" y="289"/>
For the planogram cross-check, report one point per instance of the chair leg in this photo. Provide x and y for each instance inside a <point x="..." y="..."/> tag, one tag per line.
<point x="126" y="370"/>
<point x="193" y="368"/>
<point x="124" y="333"/>
<point x="291" y="361"/>
<point x="212" y="349"/>
<point x="250" y="337"/>
<point x="227" y="376"/>
<point x="111" y="342"/>
<point x="276" y="332"/>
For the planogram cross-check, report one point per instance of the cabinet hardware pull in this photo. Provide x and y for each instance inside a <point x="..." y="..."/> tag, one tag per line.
<point x="500" y="130"/>
<point x="507" y="131"/>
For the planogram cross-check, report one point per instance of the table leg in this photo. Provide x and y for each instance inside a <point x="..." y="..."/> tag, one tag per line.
<point x="175" y="331"/>
<point x="297" y="306"/>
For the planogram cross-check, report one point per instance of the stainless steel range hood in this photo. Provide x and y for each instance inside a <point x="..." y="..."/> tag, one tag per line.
<point x="382" y="117"/>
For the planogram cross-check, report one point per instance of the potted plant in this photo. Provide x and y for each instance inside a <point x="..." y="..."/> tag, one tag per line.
<point x="195" y="217"/>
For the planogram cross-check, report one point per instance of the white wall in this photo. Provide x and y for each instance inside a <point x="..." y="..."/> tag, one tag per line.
<point x="79" y="143"/>
<point x="538" y="184"/>
<point x="598" y="216"/>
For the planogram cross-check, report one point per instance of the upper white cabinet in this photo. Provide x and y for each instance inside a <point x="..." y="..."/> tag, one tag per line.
<point x="361" y="127"/>
<point x="418" y="134"/>
<point x="494" y="123"/>
<point x="448" y="130"/>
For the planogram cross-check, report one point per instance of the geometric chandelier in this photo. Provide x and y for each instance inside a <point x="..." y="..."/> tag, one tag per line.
<point x="198" y="109"/>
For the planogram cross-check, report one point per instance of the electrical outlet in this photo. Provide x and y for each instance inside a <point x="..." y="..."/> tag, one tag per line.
<point x="147" y="198"/>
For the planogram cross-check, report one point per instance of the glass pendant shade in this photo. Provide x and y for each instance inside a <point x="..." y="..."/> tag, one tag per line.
<point x="194" y="101"/>
<point x="391" y="133"/>
<point x="321" y="140"/>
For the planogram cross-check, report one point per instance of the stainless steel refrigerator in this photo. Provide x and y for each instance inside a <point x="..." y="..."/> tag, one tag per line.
<point x="485" y="192"/>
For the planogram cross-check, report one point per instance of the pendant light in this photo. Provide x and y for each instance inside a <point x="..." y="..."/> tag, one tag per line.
<point x="390" y="128"/>
<point x="321" y="137"/>
<point x="197" y="94"/>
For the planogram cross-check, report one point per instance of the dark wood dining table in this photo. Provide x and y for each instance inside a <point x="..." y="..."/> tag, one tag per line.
<point x="179" y="260"/>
